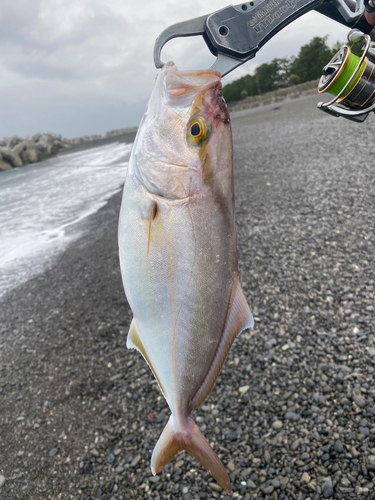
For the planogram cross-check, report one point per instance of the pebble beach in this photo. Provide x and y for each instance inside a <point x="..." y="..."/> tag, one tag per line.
<point x="292" y="414"/>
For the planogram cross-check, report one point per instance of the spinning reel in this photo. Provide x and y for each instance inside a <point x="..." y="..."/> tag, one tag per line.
<point x="350" y="78"/>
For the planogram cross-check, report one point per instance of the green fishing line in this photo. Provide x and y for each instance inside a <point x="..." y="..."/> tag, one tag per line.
<point x="339" y="83"/>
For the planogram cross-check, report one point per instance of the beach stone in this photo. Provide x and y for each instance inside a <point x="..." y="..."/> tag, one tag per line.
<point x="230" y="466"/>
<point x="283" y="481"/>
<point x="327" y="489"/>
<point x="254" y="476"/>
<point x="335" y="468"/>
<point x="2" y="481"/>
<point x="244" y="389"/>
<point x="53" y="452"/>
<point x="359" y="401"/>
<point x="295" y="445"/>
<point x="135" y="461"/>
<point x="87" y="468"/>
<point x="268" y="489"/>
<point x="353" y="451"/>
<point x="292" y="416"/>
<point x="277" y="425"/>
<point x="361" y="490"/>
<point x="310" y="383"/>
<point x="215" y="487"/>
<point x="246" y="472"/>
<point x="339" y="448"/>
<point x="250" y="484"/>
<point x="305" y="477"/>
<point x="345" y="482"/>
<point x="352" y="436"/>
<point x="270" y="343"/>
<point x="232" y="436"/>
<point x="364" y="430"/>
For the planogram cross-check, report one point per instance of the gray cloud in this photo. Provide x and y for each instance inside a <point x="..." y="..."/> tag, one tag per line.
<point x="55" y="42"/>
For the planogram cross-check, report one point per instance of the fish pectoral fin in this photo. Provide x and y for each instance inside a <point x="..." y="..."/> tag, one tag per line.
<point x="153" y="212"/>
<point x="134" y="342"/>
<point x="192" y="440"/>
<point x="238" y="318"/>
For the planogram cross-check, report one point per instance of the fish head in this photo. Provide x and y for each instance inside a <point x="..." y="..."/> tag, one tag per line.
<point x="185" y="131"/>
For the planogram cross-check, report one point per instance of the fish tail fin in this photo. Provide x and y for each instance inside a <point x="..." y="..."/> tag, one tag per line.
<point x="192" y="440"/>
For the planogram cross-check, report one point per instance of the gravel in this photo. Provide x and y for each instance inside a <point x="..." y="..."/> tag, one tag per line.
<point x="304" y="428"/>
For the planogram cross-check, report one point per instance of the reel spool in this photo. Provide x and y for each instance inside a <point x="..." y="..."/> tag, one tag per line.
<point x="350" y="78"/>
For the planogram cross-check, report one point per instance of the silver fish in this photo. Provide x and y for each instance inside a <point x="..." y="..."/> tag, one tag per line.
<point x="178" y="252"/>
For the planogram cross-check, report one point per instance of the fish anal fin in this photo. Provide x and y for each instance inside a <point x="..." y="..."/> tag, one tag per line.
<point x="153" y="212"/>
<point x="238" y="318"/>
<point x="192" y="440"/>
<point x="134" y="342"/>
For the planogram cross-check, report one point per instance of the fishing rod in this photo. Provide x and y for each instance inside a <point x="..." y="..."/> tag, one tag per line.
<point x="236" y="33"/>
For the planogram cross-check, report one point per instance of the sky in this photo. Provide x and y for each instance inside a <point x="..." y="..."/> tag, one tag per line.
<point x="78" y="67"/>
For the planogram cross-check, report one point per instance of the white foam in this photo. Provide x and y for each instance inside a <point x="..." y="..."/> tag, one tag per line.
<point x="39" y="202"/>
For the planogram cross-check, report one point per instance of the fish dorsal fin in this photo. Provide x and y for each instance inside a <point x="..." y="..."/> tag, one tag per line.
<point x="134" y="342"/>
<point x="153" y="211"/>
<point x="238" y="318"/>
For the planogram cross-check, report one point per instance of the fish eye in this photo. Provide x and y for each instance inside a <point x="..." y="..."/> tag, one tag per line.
<point x="198" y="130"/>
<point x="195" y="129"/>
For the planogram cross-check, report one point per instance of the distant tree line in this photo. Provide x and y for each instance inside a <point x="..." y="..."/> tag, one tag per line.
<point x="284" y="72"/>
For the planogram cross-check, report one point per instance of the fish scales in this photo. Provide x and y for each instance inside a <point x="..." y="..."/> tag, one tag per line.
<point x="178" y="251"/>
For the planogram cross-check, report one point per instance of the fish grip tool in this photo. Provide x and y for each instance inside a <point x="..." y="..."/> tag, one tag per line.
<point x="236" y="33"/>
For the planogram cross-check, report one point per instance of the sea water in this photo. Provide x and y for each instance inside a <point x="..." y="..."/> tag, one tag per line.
<point x="41" y="203"/>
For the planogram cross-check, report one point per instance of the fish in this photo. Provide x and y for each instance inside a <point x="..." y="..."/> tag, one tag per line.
<point x="178" y="252"/>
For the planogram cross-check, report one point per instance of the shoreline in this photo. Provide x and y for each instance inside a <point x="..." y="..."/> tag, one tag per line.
<point x="127" y="138"/>
<point x="293" y="409"/>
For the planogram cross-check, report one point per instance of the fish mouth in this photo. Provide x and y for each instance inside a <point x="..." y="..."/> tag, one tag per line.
<point x="182" y="86"/>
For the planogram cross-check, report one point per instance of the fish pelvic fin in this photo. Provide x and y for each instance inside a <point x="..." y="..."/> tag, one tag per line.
<point x="237" y="319"/>
<point x="134" y="342"/>
<point x="192" y="440"/>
